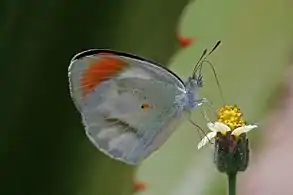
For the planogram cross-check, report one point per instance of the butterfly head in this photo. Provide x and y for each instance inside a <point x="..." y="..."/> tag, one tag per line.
<point x="195" y="81"/>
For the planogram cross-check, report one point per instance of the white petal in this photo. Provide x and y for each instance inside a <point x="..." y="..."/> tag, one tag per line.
<point x="206" y="139"/>
<point x="244" y="129"/>
<point x="222" y="127"/>
<point x="211" y="126"/>
<point x="218" y="127"/>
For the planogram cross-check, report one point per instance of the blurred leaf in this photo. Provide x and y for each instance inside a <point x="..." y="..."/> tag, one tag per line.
<point x="43" y="148"/>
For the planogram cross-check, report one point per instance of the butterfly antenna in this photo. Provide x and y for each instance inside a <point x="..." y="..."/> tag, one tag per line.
<point x="199" y="63"/>
<point x="217" y="80"/>
<point x="203" y="58"/>
<point x="213" y="69"/>
<point x="215" y="47"/>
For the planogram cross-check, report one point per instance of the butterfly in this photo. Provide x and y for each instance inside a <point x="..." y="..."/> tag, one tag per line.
<point x="130" y="105"/>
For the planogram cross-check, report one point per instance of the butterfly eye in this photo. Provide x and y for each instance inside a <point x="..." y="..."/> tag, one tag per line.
<point x="145" y="106"/>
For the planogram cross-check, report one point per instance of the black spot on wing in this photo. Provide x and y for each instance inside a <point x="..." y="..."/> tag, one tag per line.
<point x="123" y="125"/>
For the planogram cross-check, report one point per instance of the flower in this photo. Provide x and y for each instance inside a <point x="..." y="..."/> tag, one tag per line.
<point x="230" y="124"/>
<point x="231" y="152"/>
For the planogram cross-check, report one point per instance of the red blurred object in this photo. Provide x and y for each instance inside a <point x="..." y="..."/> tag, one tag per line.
<point x="185" y="41"/>
<point x="139" y="186"/>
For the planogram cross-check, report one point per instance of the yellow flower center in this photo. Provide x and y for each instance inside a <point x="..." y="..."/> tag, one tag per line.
<point x="231" y="116"/>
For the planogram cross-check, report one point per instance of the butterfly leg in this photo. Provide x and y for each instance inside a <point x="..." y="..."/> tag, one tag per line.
<point x="199" y="129"/>
<point x="210" y="108"/>
<point x="201" y="101"/>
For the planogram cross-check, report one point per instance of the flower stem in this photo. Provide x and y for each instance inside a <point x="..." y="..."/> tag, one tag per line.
<point x="232" y="183"/>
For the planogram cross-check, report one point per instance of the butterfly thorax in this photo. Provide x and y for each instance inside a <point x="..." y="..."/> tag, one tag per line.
<point x="192" y="85"/>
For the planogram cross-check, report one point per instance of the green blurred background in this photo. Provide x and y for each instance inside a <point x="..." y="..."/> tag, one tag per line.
<point x="43" y="146"/>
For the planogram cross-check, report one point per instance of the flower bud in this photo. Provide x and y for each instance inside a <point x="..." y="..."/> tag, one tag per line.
<point x="231" y="152"/>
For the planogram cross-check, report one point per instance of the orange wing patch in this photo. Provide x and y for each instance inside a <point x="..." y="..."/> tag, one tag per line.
<point x="99" y="71"/>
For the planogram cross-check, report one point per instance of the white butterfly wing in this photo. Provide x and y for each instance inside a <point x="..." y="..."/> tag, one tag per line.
<point x="121" y="127"/>
<point x="127" y="104"/>
<point x="92" y="67"/>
